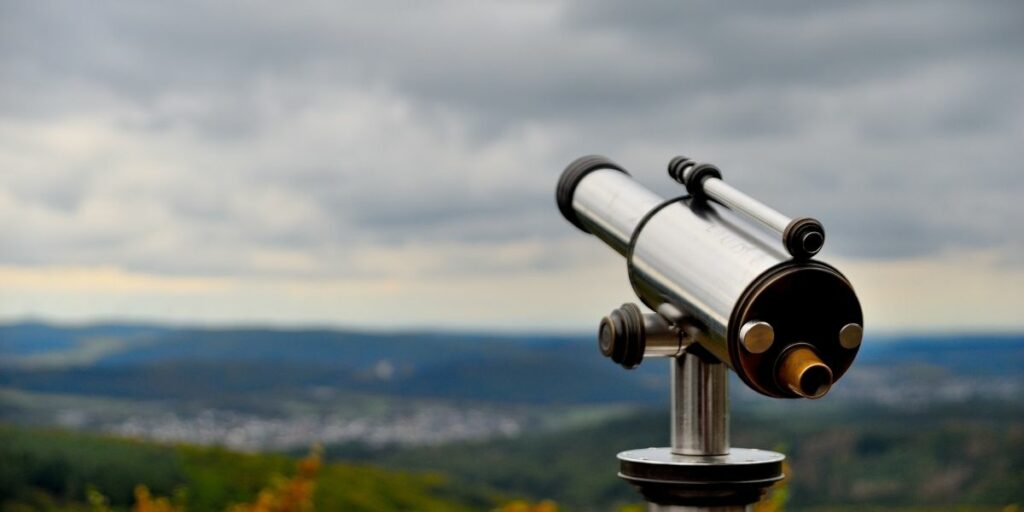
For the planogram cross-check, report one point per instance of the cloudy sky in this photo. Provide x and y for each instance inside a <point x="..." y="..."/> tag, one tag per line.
<point x="393" y="164"/>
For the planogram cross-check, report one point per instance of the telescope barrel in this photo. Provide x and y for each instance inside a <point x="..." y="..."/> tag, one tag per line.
<point x="607" y="204"/>
<point x="698" y="263"/>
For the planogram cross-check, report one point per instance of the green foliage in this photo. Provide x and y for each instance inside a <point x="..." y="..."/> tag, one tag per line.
<point x="64" y="465"/>
<point x="54" y="470"/>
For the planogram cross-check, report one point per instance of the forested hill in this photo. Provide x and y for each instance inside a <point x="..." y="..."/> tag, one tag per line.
<point x="54" y="470"/>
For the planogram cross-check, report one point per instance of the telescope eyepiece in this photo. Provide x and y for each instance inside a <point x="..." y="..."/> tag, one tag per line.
<point x="804" y="237"/>
<point x="804" y="373"/>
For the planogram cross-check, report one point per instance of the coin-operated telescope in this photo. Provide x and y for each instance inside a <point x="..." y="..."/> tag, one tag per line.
<point x="732" y="284"/>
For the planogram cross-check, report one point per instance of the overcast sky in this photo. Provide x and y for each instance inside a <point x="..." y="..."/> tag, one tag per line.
<point x="393" y="164"/>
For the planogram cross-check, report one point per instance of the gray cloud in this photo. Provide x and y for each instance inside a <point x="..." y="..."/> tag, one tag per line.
<point x="205" y="139"/>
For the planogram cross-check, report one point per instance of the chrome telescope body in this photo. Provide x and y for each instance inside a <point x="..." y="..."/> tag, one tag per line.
<point x="722" y="272"/>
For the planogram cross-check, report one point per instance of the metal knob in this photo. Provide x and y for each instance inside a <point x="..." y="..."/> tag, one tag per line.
<point x="628" y="335"/>
<point x="622" y="337"/>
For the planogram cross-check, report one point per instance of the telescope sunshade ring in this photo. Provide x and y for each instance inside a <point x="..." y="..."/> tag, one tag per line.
<point x="571" y="177"/>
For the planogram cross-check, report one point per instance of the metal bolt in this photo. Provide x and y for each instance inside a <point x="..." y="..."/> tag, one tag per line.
<point x="757" y="337"/>
<point x="851" y="335"/>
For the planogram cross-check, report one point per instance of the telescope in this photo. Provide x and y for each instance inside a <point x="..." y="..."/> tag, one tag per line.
<point x="730" y="284"/>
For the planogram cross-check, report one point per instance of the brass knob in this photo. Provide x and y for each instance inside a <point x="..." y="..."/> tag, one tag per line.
<point x="801" y="371"/>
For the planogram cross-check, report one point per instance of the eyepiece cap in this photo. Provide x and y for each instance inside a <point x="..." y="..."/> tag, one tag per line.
<point x="622" y="337"/>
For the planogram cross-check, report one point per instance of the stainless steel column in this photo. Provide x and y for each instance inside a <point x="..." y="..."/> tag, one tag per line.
<point x="700" y="406"/>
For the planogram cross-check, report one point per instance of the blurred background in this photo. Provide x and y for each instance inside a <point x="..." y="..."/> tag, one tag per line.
<point x="233" y="231"/>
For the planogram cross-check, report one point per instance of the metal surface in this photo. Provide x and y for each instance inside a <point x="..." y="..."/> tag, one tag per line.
<point x="745" y="464"/>
<point x="611" y="205"/>
<point x="734" y="199"/>
<point x="851" y="335"/>
<point x="718" y="482"/>
<point x="757" y="336"/>
<point x="690" y="256"/>
<point x="663" y="339"/>
<point x="700" y="406"/>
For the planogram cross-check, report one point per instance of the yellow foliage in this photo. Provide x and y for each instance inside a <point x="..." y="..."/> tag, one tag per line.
<point x="524" y="506"/>
<point x="293" y="494"/>
<point x="144" y="502"/>
<point x="778" y="494"/>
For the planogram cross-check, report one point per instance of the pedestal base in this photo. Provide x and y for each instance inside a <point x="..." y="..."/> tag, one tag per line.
<point x="737" y="479"/>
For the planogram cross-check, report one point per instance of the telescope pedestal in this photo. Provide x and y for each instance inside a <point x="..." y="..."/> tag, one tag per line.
<point x="700" y="471"/>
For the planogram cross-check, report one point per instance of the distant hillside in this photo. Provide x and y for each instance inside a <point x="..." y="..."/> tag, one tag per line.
<point x="154" y="362"/>
<point x="990" y="354"/>
<point x="124" y="345"/>
<point x="138" y="344"/>
<point x="158" y="363"/>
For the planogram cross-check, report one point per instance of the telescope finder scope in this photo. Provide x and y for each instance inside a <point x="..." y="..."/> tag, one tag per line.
<point x="726" y="276"/>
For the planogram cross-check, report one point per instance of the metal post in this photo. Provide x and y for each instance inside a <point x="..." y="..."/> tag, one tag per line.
<point x="700" y="472"/>
<point x="700" y="406"/>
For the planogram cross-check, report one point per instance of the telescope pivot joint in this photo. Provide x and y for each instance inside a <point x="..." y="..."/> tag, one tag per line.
<point x="627" y="335"/>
